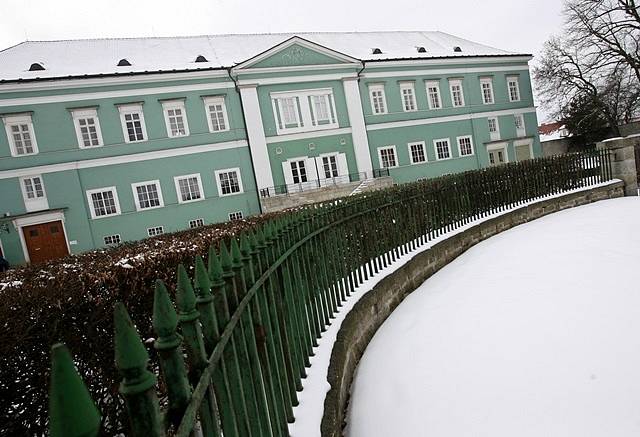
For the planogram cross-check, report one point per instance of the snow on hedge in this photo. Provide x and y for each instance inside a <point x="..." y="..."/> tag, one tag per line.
<point x="533" y="332"/>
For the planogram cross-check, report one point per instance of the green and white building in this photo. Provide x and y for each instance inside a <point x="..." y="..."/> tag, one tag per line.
<point x="110" y="140"/>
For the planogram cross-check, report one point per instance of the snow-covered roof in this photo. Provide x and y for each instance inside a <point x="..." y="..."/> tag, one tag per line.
<point x="73" y="58"/>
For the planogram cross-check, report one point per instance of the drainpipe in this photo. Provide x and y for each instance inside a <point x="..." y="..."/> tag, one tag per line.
<point x="244" y="119"/>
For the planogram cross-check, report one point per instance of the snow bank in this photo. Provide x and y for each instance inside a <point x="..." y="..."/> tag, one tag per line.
<point x="533" y="332"/>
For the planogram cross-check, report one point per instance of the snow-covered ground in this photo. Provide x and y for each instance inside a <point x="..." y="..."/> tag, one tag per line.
<point x="533" y="332"/>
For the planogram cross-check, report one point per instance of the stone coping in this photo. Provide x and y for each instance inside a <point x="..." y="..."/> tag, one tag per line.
<point x="368" y="314"/>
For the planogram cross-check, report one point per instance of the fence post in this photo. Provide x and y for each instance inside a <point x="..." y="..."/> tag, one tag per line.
<point x="188" y="316"/>
<point x="138" y="384"/>
<point x="165" y="322"/>
<point x="72" y="412"/>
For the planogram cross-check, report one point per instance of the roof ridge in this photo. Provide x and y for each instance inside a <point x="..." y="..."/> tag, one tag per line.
<point x="129" y="38"/>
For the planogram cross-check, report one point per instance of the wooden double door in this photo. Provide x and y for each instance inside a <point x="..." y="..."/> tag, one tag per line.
<point x="45" y="241"/>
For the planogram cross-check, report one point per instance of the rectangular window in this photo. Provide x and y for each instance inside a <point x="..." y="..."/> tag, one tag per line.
<point x="132" y="119"/>
<point x="514" y="89"/>
<point x="216" y="114"/>
<point x="287" y="110"/>
<point x="322" y="109"/>
<point x="519" y="122"/>
<point x="103" y="202"/>
<point x="87" y="128"/>
<point x="196" y="223"/>
<point x="112" y="239"/>
<point x="433" y="95"/>
<point x="387" y="157"/>
<point x="235" y="215"/>
<point x="486" y="85"/>
<point x="457" y="95"/>
<point x="330" y="166"/>
<point x="175" y="118"/>
<point x="378" y="99"/>
<point x="417" y="153"/>
<point x="465" y="145"/>
<point x="443" y="148"/>
<point x="298" y="171"/>
<point x="156" y="230"/>
<point x="497" y="154"/>
<point x="147" y="195"/>
<point x="189" y="188"/>
<point x="408" y="94"/>
<point x="22" y="140"/>
<point x="229" y="181"/>
<point x="35" y="198"/>
<point x="494" y="128"/>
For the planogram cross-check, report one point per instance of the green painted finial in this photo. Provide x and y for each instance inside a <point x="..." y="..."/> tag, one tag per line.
<point x="165" y="319"/>
<point x="130" y="352"/>
<point x="215" y="268"/>
<point x="245" y="245"/>
<point x="202" y="281"/>
<point x="225" y="257"/>
<point x="185" y="296"/>
<point x="236" y="255"/>
<point x="260" y="237"/>
<point x="253" y="241"/>
<point x="72" y="412"/>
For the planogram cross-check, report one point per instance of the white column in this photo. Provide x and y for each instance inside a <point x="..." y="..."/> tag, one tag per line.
<point x="255" y="133"/>
<point x="358" y="129"/>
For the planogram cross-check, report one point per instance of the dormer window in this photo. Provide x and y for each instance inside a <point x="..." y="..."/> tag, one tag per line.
<point x="201" y="58"/>
<point x="36" y="67"/>
<point x="124" y="63"/>
<point x="421" y="50"/>
<point x="376" y="51"/>
<point x="457" y="49"/>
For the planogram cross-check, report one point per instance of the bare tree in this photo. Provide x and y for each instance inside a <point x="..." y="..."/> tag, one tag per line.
<point x="606" y="31"/>
<point x="591" y="75"/>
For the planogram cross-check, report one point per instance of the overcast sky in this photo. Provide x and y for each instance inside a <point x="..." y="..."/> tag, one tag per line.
<point x="519" y="26"/>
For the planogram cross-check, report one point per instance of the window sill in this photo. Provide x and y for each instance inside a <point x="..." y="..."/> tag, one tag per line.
<point x="231" y="194"/>
<point x="298" y="130"/>
<point x="181" y="202"/>
<point x="104" y="216"/>
<point x="149" y="208"/>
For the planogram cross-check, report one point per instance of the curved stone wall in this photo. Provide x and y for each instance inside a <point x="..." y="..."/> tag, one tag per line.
<point x="368" y="314"/>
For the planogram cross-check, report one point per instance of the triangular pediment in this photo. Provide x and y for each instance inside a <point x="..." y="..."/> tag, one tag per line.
<point x="296" y="51"/>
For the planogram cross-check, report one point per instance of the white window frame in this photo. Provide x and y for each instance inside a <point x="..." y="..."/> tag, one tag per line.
<point x="18" y="119"/>
<point x="395" y="155"/>
<point x="473" y="150"/>
<point x="306" y="117"/>
<point x="101" y="190"/>
<point x="167" y="105"/>
<point x="134" y="187"/>
<point x="154" y="228"/>
<point x="331" y="108"/>
<point x="236" y="218"/>
<point x="215" y="100"/>
<point x="498" y="146"/>
<point x="494" y="136"/>
<point x="135" y="108"/>
<point x="487" y="80"/>
<point x="424" y="152"/>
<point x="520" y="131"/>
<point x="81" y="114"/>
<point x="435" y="148"/>
<point x="378" y="87"/>
<point x="516" y="80"/>
<point x="452" y="83"/>
<point x="176" y="181"/>
<point x="193" y="223"/>
<point x="104" y="239"/>
<point x="219" y="184"/>
<point x="38" y="203"/>
<point x="433" y="84"/>
<point x="408" y="86"/>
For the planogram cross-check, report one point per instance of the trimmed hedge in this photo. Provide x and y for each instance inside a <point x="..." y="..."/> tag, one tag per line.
<point x="71" y="301"/>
